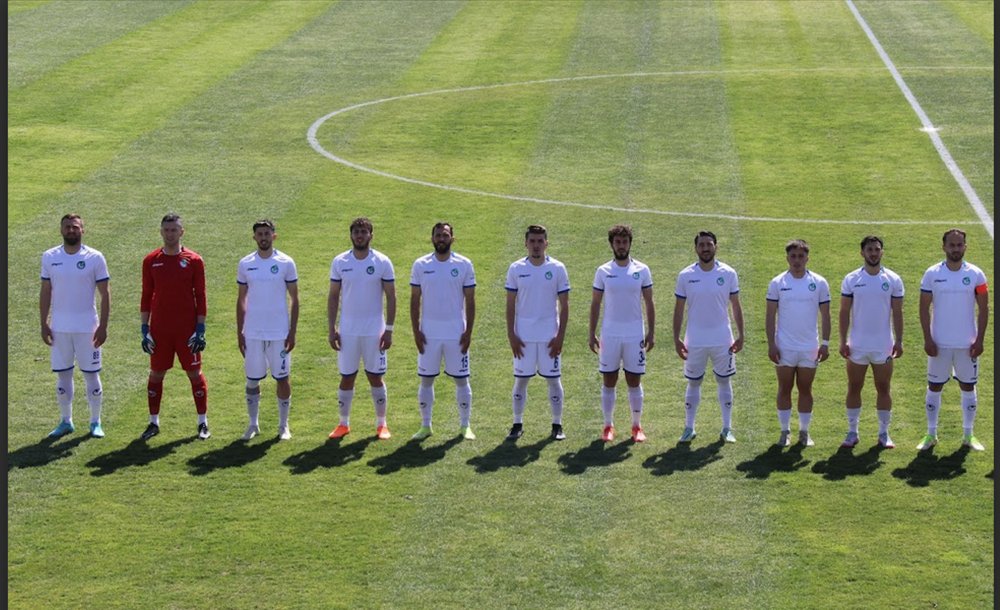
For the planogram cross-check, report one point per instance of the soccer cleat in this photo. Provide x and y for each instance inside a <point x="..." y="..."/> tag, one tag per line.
<point x="467" y="433"/>
<point x="927" y="442"/>
<point x="784" y="440"/>
<point x="638" y="436"/>
<point x="850" y="441"/>
<point x="885" y="442"/>
<point x="515" y="432"/>
<point x="203" y="432"/>
<point x="151" y="431"/>
<point x="805" y="440"/>
<point x="557" y="433"/>
<point x="96" y="430"/>
<point x="972" y="442"/>
<point x="609" y="434"/>
<point x="727" y="435"/>
<point x="340" y="431"/>
<point x="284" y="433"/>
<point x="687" y="436"/>
<point x="251" y="432"/>
<point x="422" y="433"/>
<point x="64" y="428"/>
<point x="382" y="433"/>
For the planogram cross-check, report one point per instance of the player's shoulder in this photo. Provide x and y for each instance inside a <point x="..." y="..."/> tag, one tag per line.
<point x="282" y="257"/>
<point x="973" y="268"/>
<point x="343" y="256"/>
<point x="722" y="267"/>
<point x="819" y="279"/>
<point x="249" y="258"/>
<point x="688" y="269"/>
<point x="423" y="260"/>
<point x="153" y="255"/>
<point x="891" y="274"/>
<point x="53" y="252"/>
<point x="460" y="259"/>
<point x="88" y="252"/>
<point x="190" y="255"/>
<point x="605" y="268"/>
<point x="554" y="262"/>
<point x="780" y="277"/>
<point x="638" y="265"/>
<point x="851" y="275"/>
<point x="519" y="263"/>
<point x="380" y="256"/>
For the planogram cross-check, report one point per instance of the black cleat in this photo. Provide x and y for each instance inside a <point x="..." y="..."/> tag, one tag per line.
<point x="151" y="431"/>
<point x="515" y="432"/>
<point x="557" y="433"/>
<point x="203" y="432"/>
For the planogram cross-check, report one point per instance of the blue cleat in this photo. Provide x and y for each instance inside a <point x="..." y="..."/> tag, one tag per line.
<point x="96" y="430"/>
<point x="64" y="428"/>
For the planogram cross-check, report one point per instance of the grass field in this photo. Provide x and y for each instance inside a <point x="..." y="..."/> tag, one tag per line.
<point x="762" y="121"/>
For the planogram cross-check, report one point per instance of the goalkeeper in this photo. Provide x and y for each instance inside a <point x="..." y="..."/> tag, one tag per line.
<point x="173" y="311"/>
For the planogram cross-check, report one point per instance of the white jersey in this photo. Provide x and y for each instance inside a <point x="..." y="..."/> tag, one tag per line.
<point x="953" y="323"/>
<point x="871" y="308"/>
<point x="266" y="280"/>
<point x="538" y="288"/>
<point x="622" y="288"/>
<point x="442" y="290"/>
<point x="74" y="278"/>
<point x="798" y="302"/>
<point x="361" y="291"/>
<point x="707" y="294"/>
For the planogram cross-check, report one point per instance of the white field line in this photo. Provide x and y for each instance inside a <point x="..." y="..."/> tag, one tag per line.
<point x="928" y="127"/>
<point x="314" y="143"/>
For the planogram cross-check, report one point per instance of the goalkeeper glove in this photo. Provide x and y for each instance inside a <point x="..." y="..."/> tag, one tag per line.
<point x="197" y="340"/>
<point x="148" y="345"/>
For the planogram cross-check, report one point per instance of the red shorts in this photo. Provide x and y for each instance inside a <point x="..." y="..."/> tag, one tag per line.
<point x="169" y="343"/>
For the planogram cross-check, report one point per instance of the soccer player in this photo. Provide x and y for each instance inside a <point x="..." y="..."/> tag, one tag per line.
<point x="708" y="288"/>
<point x="952" y="291"/>
<point x="794" y="298"/>
<point x="623" y="284"/>
<point x="265" y="324"/>
<point x="172" y="311"/>
<point x="871" y="306"/>
<point x="537" y="312"/>
<point x="71" y="274"/>
<point x="361" y="275"/>
<point x="444" y="283"/>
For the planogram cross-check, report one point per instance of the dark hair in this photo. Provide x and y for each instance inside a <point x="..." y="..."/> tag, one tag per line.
<point x="442" y="225"/>
<point x="77" y="217"/>
<point x="619" y="231"/>
<point x="871" y="238"/>
<point x="263" y="222"/>
<point x="171" y="217"/>
<point x="944" y="237"/>
<point x="797" y="243"/>
<point x="536" y="230"/>
<point x="363" y="223"/>
<point x="705" y="234"/>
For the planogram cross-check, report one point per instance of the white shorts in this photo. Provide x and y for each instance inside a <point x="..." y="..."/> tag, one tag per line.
<point x="536" y="359"/>
<point x="723" y="362"/>
<point x="67" y="347"/>
<point x="354" y="349"/>
<point x="807" y="359"/>
<point x="629" y="352"/>
<point x="262" y="355"/>
<point x="870" y="357"/>
<point x="456" y="364"/>
<point x="949" y="360"/>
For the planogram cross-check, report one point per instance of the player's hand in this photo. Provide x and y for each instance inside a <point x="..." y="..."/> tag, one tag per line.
<point x="420" y="340"/>
<point x="516" y="345"/>
<point x="241" y="342"/>
<point x="555" y="346"/>
<point x="385" y="342"/>
<point x="465" y="341"/>
<point x="100" y="336"/>
<point x="774" y="353"/>
<point x="289" y="342"/>
<point x="197" y="341"/>
<point x="649" y="342"/>
<point x="46" y="334"/>
<point x="897" y="350"/>
<point x="148" y="345"/>
<point x="930" y="348"/>
<point x="845" y="350"/>
<point x="823" y="354"/>
<point x="594" y="344"/>
<point x="681" y="349"/>
<point x="737" y="346"/>
<point x="977" y="349"/>
<point x="335" y="340"/>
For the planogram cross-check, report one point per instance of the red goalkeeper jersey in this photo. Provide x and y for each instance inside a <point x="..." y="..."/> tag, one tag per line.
<point x="173" y="289"/>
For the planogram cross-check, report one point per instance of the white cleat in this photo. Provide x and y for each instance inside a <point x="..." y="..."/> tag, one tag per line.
<point x="284" y="433"/>
<point x="251" y="432"/>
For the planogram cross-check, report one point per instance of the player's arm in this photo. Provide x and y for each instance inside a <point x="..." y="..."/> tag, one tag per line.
<point x="197" y="341"/>
<point x="146" y="306"/>
<point x="44" y="306"/>
<point x="418" y="335"/>
<point x="293" y="314"/>
<point x="825" y="329"/>
<point x="982" y="320"/>
<point x="647" y="297"/>
<point x="844" y="323"/>
<point x="595" y="312"/>
<point x="389" y="288"/>
<point x="332" y="307"/>
<point x="470" y="318"/>
<point x="679" y="346"/>
<point x="734" y="300"/>
<point x="516" y="345"/>
<point x="897" y="326"/>
<point x="556" y="344"/>
<point x="771" y="329"/>
<point x="101" y="334"/>
<point x="241" y="314"/>
<point x="926" y="301"/>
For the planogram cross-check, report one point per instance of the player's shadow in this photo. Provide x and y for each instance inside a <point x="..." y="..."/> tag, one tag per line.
<point x="136" y="453"/>
<point x="508" y="455"/>
<point x="235" y="454"/>
<point x="596" y="454"/>
<point x="683" y="458"/>
<point x="774" y="460"/>
<point x="413" y="454"/>
<point x="331" y="454"/>
<point x="926" y="467"/>
<point x="844" y="463"/>
<point x="43" y="452"/>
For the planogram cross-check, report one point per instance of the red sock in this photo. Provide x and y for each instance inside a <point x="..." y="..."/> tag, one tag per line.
<point x="199" y="389"/>
<point x="154" y="391"/>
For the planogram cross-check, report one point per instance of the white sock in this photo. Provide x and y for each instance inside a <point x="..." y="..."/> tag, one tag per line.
<point x="344" y="400"/>
<point x="64" y="394"/>
<point x="155" y="419"/>
<point x="804" y="420"/>
<point x="556" y="399"/>
<point x="608" y="397"/>
<point x="968" y="410"/>
<point x="692" y="398"/>
<point x="853" y="415"/>
<point x="284" y="407"/>
<point x="425" y="395"/>
<point x="726" y="401"/>
<point x="253" y="401"/>
<point x="203" y="418"/>
<point x="785" y="419"/>
<point x="932" y="406"/>
<point x="883" y="421"/>
<point x="635" y="400"/>
<point x="380" y="396"/>
<point x="95" y="395"/>
<point x="463" y="396"/>
<point x="519" y="396"/>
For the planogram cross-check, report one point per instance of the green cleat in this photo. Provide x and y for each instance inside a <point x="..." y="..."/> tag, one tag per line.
<point x="927" y="442"/>
<point x="422" y="433"/>
<point x="467" y="433"/>
<point x="973" y="442"/>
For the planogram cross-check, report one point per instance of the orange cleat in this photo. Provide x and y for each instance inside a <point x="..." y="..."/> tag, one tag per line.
<point x="609" y="434"/>
<point x="382" y="433"/>
<point x="638" y="435"/>
<point x="340" y="431"/>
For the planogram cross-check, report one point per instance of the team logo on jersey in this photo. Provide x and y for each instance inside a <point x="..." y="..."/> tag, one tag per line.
<point x="965" y="280"/>
<point x="720" y="281"/>
<point x="183" y="263"/>
<point x="548" y="275"/>
<point x="454" y="272"/>
<point x="635" y="275"/>
<point x="812" y="287"/>
<point x="370" y="270"/>
<point x="82" y="264"/>
<point x="274" y="268"/>
<point x="885" y="286"/>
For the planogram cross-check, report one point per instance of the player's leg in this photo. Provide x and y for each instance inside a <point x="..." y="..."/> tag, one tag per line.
<point x="376" y="363"/>
<point x="967" y="373"/>
<point x="805" y="374"/>
<point x="61" y="357"/>
<point x="553" y="377"/>
<point x="634" y="365"/>
<point x="856" y="372"/>
<point x="89" y="359"/>
<point x="255" y="369"/>
<point x="456" y="365"/>
<point x="694" y="372"/>
<point x="783" y="400"/>
<point x="280" y="364"/>
<point x="348" y="364"/>
<point x="428" y="368"/>
<point x="724" y="367"/>
<point x="608" y="363"/>
<point x="882" y="378"/>
<point x="525" y="368"/>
